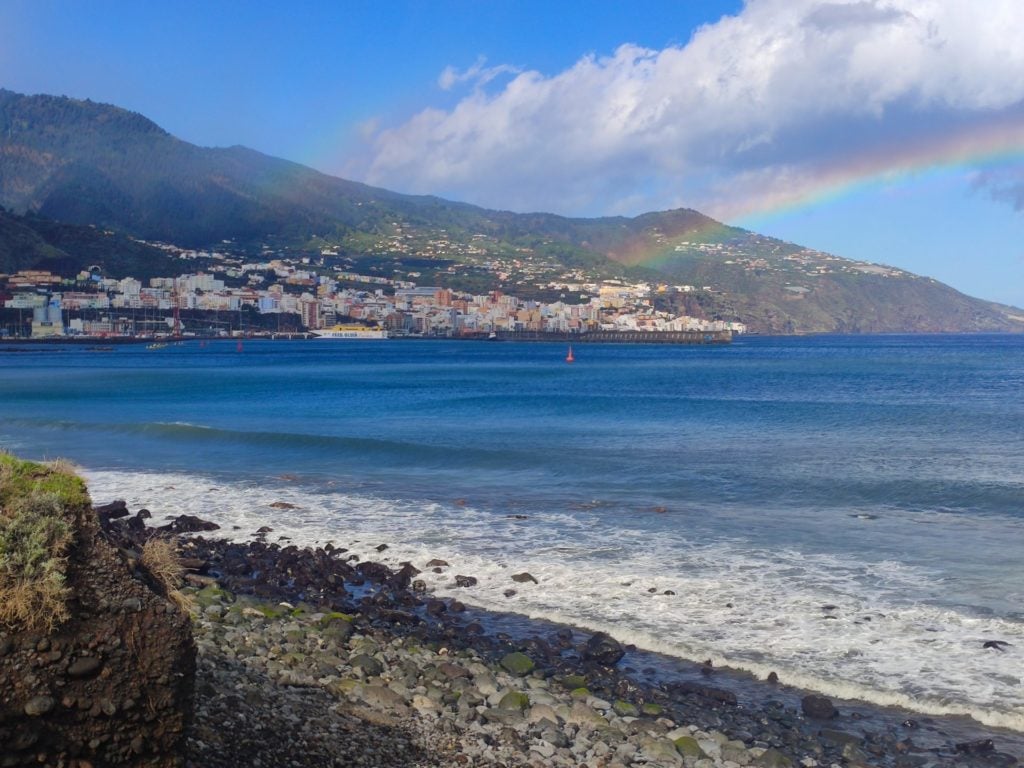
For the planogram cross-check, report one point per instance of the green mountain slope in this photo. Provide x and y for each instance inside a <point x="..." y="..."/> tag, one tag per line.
<point x="34" y="242"/>
<point x="95" y="165"/>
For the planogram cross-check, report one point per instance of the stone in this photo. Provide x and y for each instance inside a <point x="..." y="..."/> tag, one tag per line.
<point x="85" y="666"/>
<point x="772" y="758"/>
<point x="661" y="751"/>
<point x="465" y="581"/>
<point x="379" y="697"/>
<point x="523" y="578"/>
<point x="517" y="663"/>
<point x="978" y="747"/>
<point x="818" y="707"/>
<point x="687" y="746"/>
<point x="840" y="737"/>
<point x="435" y="563"/>
<point x="131" y="605"/>
<point x="540" y="712"/>
<point x="370" y="666"/>
<point x="39" y="705"/>
<point x="603" y="649"/>
<point x="651" y="709"/>
<point x="624" y="709"/>
<point x="514" y="700"/>
<point x="582" y="714"/>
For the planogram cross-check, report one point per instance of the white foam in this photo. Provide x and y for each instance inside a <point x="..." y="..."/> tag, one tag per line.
<point x="878" y="644"/>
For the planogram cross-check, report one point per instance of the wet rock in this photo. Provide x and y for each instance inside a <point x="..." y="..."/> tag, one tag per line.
<point x="978" y="747"/>
<point x="517" y="663"/>
<point x="996" y="645"/>
<point x="112" y="511"/>
<point x="603" y="649"/>
<point x="188" y="524"/>
<point x="523" y="578"/>
<point x="772" y="758"/>
<point x="818" y="707"/>
<point x="465" y="581"/>
<point x="435" y="563"/>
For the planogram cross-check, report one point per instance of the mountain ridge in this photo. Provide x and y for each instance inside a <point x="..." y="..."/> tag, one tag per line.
<point x="88" y="164"/>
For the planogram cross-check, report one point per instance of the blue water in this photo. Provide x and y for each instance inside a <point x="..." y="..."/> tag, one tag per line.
<point x="759" y="482"/>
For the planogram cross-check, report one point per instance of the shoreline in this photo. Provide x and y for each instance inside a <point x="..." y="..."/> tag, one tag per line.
<point x="390" y="604"/>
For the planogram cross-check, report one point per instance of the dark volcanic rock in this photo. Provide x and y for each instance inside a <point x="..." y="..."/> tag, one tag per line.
<point x="603" y="649"/>
<point x="465" y="581"/>
<point x="523" y="577"/>
<point x="818" y="707"/>
<point x="188" y="524"/>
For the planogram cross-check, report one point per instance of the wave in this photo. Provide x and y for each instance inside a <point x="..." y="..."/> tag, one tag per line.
<point x="843" y="626"/>
<point x="334" y="447"/>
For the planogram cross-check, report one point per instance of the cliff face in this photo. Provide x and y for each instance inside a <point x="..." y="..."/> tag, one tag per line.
<point x="111" y="682"/>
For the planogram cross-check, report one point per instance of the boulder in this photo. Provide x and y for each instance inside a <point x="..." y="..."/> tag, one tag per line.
<point x="603" y="649"/>
<point x="517" y="663"/>
<point x="818" y="707"/>
<point x="465" y="581"/>
<point x="188" y="524"/>
<point x="523" y="578"/>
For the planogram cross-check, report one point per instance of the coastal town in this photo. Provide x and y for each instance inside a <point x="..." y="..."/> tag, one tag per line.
<point x="227" y="294"/>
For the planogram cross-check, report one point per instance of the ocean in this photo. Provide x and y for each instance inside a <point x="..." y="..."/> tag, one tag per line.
<point x="847" y="512"/>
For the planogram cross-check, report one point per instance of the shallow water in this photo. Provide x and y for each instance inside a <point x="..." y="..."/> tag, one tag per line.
<point x="843" y="511"/>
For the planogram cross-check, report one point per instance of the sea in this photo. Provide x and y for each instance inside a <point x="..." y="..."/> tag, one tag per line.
<point x="844" y="511"/>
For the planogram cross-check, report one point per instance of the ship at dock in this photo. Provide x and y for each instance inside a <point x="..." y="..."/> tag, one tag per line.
<point x="350" y="333"/>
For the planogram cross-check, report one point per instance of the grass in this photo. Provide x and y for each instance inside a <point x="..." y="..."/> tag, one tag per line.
<point x="160" y="559"/>
<point x="40" y="510"/>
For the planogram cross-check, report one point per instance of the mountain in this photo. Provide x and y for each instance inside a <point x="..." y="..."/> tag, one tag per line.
<point x="100" y="167"/>
<point x="35" y="242"/>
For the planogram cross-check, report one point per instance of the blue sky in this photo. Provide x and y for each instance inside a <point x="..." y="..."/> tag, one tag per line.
<point x="884" y="130"/>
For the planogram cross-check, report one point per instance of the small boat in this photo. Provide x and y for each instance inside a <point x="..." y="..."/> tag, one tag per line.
<point x="569" y="358"/>
<point x="156" y="345"/>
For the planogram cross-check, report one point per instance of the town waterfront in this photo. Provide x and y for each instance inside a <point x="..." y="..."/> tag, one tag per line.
<point x="843" y="511"/>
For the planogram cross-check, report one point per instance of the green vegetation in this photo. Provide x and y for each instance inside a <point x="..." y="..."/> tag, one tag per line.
<point x="39" y="511"/>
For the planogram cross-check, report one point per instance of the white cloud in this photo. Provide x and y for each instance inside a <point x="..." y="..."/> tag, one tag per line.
<point x="787" y="91"/>
<point x="478" y="74"/>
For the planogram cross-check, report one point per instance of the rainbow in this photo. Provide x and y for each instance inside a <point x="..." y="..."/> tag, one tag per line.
<point x="996" y="142"/>
<point x="993" y="143"/>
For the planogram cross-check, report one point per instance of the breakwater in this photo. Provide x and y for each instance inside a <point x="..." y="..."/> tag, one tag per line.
<point x="623" y="337"/>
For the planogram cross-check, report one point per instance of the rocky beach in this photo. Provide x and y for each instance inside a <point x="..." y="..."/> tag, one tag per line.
<point x="314" y="656"/>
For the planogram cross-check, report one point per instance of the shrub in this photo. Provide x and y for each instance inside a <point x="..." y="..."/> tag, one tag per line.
<point x="34" y="537"/>
<point x="39" y="509"/>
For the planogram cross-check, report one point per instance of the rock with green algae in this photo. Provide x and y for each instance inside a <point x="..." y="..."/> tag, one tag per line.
<point x="651" y="709"/>
<point x="687" y="746"/>
<point x="624" y="709"/>
<point x="514" y="700"/>
<point x="517" y="663"/>
<point x="574" y="681"/>
<point x="772" y="758"/>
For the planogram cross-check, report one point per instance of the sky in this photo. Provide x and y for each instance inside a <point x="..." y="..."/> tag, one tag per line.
<point x="885" y="130"/>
